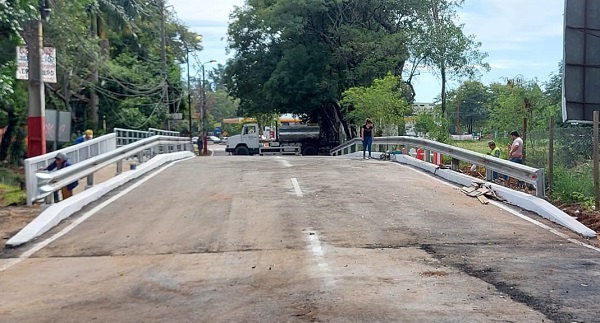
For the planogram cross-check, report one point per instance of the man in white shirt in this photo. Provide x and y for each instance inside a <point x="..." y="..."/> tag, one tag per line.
<point x="516" y="149"/>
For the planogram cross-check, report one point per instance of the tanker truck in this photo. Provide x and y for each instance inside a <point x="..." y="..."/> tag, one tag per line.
<point x="292" y="139"/>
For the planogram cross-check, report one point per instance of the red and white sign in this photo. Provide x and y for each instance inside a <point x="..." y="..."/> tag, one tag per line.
<point x="48" y="64"/>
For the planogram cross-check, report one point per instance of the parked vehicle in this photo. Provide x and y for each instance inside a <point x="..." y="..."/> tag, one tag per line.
<point x="214" y="139"/>
<point x="291" y="139"/>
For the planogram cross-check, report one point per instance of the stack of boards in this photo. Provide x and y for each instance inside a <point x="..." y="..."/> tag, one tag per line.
<point x="481" y="192"/>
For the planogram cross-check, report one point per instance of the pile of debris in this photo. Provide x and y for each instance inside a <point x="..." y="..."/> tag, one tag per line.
<point x="482" y="191"/>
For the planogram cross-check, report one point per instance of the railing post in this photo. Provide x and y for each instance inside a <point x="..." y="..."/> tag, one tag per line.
<point x="540" y="186"/>
<point x="120" y="167"/>
<point x="489" y="174"/>
<point x="428" y="155"/>
<point x="90" y="181"/>
<point x="455" y="165"/>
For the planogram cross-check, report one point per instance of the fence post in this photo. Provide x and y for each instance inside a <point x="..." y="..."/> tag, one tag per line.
<point x="596" y="166"/>
<point x="524" y="137"/>
<point x="551" y="157"/>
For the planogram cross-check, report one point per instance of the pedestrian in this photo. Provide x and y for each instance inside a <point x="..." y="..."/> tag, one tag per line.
<point x="61" y="161"/>
<point x="494" y="151"/>
<point x="366" y="133"/>
<point x="200" y="143"/>
<point x="88" y="135"/>
<point x="515" y="154"/>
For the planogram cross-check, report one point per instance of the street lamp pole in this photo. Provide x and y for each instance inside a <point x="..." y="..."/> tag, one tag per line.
<point x="204" y="137"/>
<point x="189" y="94"/>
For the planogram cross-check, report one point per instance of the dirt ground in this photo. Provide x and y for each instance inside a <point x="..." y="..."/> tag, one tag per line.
<point x="13" y="219"/>
<point x="588" y="218"/>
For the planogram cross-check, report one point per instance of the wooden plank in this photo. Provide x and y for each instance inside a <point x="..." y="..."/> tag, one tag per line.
<point x="475" y="193"/>
<point x="482" y="199"/>
<point x="469" y="189"/>
<point x="483" y="190"/>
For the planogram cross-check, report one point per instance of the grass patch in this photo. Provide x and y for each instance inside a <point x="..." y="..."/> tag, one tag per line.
<point x="574" y="185"/>
<point x="11" y="195"/>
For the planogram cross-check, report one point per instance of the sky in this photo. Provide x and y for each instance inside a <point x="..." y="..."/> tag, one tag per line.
<point x="523" y="38"/>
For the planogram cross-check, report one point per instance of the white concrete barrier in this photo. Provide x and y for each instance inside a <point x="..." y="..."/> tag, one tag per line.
<point x="57" y="212"/>
<point x="520" y="199"/>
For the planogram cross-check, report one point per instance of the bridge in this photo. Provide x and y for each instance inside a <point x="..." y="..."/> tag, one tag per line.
<point x="293" y="239"/>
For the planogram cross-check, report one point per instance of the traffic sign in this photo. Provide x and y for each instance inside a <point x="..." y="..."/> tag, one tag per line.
<point x="48" y="64"/>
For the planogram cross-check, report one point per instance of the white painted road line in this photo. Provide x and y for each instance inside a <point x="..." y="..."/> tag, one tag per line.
<point x="37" y="247"/>
<point x="317" y="250"/>
<point x="297" y="187"/>
<point x="515" y="212"/>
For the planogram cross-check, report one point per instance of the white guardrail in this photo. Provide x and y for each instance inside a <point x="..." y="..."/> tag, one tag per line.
<point x="530" y="175"/>
<point x="128" y="136"/>
<point x="50" y="182"/>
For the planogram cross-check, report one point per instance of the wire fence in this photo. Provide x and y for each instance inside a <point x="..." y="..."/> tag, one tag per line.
<point x="573" y="176"/>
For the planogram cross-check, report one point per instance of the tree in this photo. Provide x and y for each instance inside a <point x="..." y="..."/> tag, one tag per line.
<point x="300" y="56"/>
<point x="471" y="102"/>
<point x="439" y="44"/>
<point x="383" y="102"/>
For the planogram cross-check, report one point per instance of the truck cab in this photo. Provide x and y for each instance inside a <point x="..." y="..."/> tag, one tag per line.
<point x="246" y="143"/>
<point x="299" y="139"/>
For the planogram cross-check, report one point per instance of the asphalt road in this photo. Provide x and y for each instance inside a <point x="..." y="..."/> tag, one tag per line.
<point x="293" y="239"/>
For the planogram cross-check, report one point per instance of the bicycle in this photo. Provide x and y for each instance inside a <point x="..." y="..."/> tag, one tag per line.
<point x="387" y="156"/>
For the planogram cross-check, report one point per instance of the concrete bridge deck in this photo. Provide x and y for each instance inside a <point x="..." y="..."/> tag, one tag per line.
<point x="292" y="239"/>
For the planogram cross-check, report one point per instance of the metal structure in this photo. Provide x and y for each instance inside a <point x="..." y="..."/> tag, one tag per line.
<point x="128" y="136"/>
<point x="581" y="60"/>
<point x="523" y="173"/>
<point x="47" y="183"/>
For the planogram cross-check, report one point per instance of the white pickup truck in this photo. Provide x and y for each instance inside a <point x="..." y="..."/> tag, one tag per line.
<point x="292" y="139"/>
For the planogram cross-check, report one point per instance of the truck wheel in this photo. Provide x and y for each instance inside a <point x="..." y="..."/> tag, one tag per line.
<point x="309" y="151"/>
<point x="241" y="150"/>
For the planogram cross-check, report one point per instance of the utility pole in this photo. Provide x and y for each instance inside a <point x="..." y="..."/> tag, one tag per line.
<point x="163" y="57"/>
<point x="458" y="112"/>
<point x="204" y="138"/>
<point x="36" y="123"/>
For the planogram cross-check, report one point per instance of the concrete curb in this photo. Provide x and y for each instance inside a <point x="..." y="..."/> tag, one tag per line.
<point x="520" y="199"/>
<point x="57" y="212"/>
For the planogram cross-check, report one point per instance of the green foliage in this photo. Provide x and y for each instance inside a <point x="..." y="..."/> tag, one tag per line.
<point x="472" y="101"/>
<point x="573" y="186"/>
<point x="11" y="195"/>
<point x="383" y="102"/>
<point x="439" y="44"/>
<point x="299" y="56"/>
<point x="425" y="124"/>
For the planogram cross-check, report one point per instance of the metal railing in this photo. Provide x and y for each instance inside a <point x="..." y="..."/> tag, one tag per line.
<point x="48" y="183"/>
<point x="76" y="153"/>
<point x="530" y="175"/>
<point x="128" y="136"/>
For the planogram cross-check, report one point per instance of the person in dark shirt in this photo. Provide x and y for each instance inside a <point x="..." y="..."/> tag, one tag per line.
<point x="366" y="133"/>
<point x="61" y="161"/>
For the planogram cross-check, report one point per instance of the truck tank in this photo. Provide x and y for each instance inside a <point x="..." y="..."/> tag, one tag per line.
<point x="299" y="133"/>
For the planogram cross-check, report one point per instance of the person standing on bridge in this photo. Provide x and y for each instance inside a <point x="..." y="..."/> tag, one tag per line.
<point x="366" y="133"/>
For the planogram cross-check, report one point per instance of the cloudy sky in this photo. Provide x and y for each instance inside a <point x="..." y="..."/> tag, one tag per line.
<point x="522" y="37"/>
